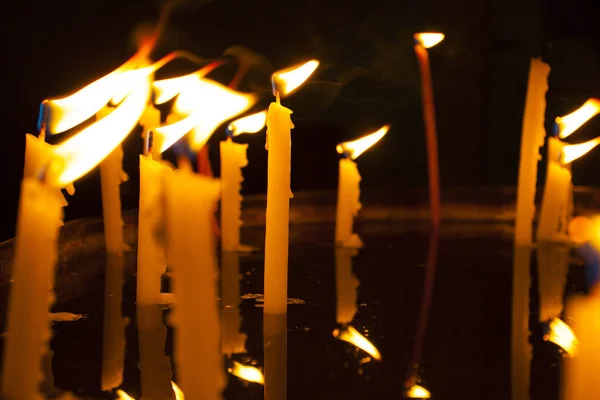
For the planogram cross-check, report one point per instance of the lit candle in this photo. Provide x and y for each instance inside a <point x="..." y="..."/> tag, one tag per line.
<point x="150" y="119"/>
<point x="151" y="262"/>
<point x="346" y="285"/>
<point x="348" y="201"/>
<point x="275" y="356"/>
<point x="279" y="125"/>
<point x="581" y="371"/>
<point x="532" y="138"/>
<point x="233" y="159"/>
<point x="234" y="342"/>
<point x="424" y="41"/>
<point x="113" y="348"/>
<point x="155" y="365"/>
<point x="190" y="204"/>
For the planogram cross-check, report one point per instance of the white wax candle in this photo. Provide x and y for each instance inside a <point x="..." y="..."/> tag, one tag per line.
<point x="348" y="204"/>
<point x="31" y="290"/>
<point x="346" y="285"/>
<point x="233" y="159"/>
<point x="279" y="125"/>
<point x="113" y="340"/>
<point x="190" y="205"/>
<point x="151" y="262"/>
<point x="533" y="134"/>
<point x="234" y="342"/>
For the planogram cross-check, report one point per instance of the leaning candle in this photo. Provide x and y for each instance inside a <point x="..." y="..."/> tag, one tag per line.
<point x="279" y="125"/>
<point x="581" y="371"/>
<point x="233" y="159"/>
<point x="190" y="204"/>
<point x="31" y="292"/>
<point x="348" y="202"/>
<point x="532" y="138"/>
<point x="111" y="177"/>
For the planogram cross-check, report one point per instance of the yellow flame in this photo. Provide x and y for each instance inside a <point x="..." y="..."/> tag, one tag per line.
<point x="356" y="147"/>
<point x="418" y="392"/>
<point x="571" y="122"/>
<point x="249" y="124"/>
<point x="354" y="337"/>
<point x="207" y="104"/>
<point x="123" y="396"/>
<point x="85" y="150"/>
<point x="562" y="335"/>
<point x="572" y="152"/>
<point x="287" y="80"/>
<point x="429" y="39"/>
<point x="178" y="392"/>
<point x="166" y="89"/>
<point x="247" y="373"/>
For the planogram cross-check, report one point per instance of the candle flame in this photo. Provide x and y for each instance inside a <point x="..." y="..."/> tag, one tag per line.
<point x="562" y="335"/>
<point x="356" y="147"/>
<point x="249" y="124"/>
<point x="123" y="396"/>
<point x="85" y="150"/>
<point x="286" y="81"/>
<point x="206" y="105"/>
<point x="429" y="39"/>
<point x="247" y="373"/>
<point x="178" y="392"/>
<point x="352" y="336"/>
<point x="166" y="89"/>
<point x="572" y="152"/>
<point x="418" y="392"/>
<point x="571" y="122"/>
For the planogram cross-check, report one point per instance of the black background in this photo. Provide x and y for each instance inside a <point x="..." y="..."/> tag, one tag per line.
<point x="479" y="71"/>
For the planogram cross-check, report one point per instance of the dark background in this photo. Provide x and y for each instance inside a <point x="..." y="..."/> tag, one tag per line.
<point x="368" y="77"/>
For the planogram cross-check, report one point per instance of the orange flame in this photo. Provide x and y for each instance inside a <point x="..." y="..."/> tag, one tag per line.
<point x="352" y="336"/>
<point x="429" y="39"/>
<point x="288" y="80"/>
<point x="123" y="396"/>
<point x="85" y="150"/>
<point x="249" y="124"/>
<point x="570" y="123"/>
<point x="572" y="152"/>
<point x="562" y="335"/>
<point x="356" y="147"/>
<point x="417" y="392"/>
<point x="178" y="392"/>
<point x="207" y="104"/>
<point x="247" y="373"/>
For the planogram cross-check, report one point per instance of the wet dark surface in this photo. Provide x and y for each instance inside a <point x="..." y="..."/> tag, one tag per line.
<point x="467" y="349"/>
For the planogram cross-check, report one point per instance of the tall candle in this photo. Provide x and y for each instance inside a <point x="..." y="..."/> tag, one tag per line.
<point x="279" y="125"/>
<point x="190" y="204"/>
<point x="31" y="292"/>
<point x="532" y="138"/>
<point x="348" y="204"/>
<point x="581" y="371"/>
<point x="113" y="348"/>
<point x="275" y="356"/>
<point x="111" y="176"/>
<point x="155" y="365"/>
<point x="233" y="341"/>
<point x="151" y="262"/>
<point x="233" y="159"/>
<point x="346" y="285"/>
<point x="520" y="346"/>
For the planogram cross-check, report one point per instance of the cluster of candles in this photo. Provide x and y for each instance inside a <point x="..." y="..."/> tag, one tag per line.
<point x="557" y="232"/>
<point x="176" y="225"/>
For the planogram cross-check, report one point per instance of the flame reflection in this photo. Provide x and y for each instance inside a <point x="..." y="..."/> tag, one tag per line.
<point x="572" y="152"/>
<point x="418" y="392"/>
<point x="288" y="80"/>
<point x="356" y="147"/>
<point x="123" y="396"/>
<point x="352" y="336"/>
<point x="562" y="335"/>
<point x="247" y="373"/>
<point x="178" y="392"/>
<point x="571" y="122"/>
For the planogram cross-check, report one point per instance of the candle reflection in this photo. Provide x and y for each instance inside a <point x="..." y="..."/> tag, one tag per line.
<point x="346" y="285"/>
<point x="233" y="341"/>
<point x="47" y="386"/>
<point x="113" y="349"/>
<point x="553" y="266"/>
<point x="520" y="346"/>
<point x="155" y="365"/>
<point x="275" y="354"/>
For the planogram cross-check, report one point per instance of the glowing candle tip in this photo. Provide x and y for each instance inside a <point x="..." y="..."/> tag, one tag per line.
<point x="286" y="81"/>
<point x="356" y="147"/>
<point x="429" y="39"/>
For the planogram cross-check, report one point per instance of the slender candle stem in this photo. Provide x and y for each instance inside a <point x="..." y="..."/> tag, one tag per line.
<point x="430" y="133"/>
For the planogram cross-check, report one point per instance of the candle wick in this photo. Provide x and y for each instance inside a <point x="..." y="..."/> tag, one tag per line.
<point x="42" y="120"/>
<point x="229" y="132"/>
<point x="277" y="99"/>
